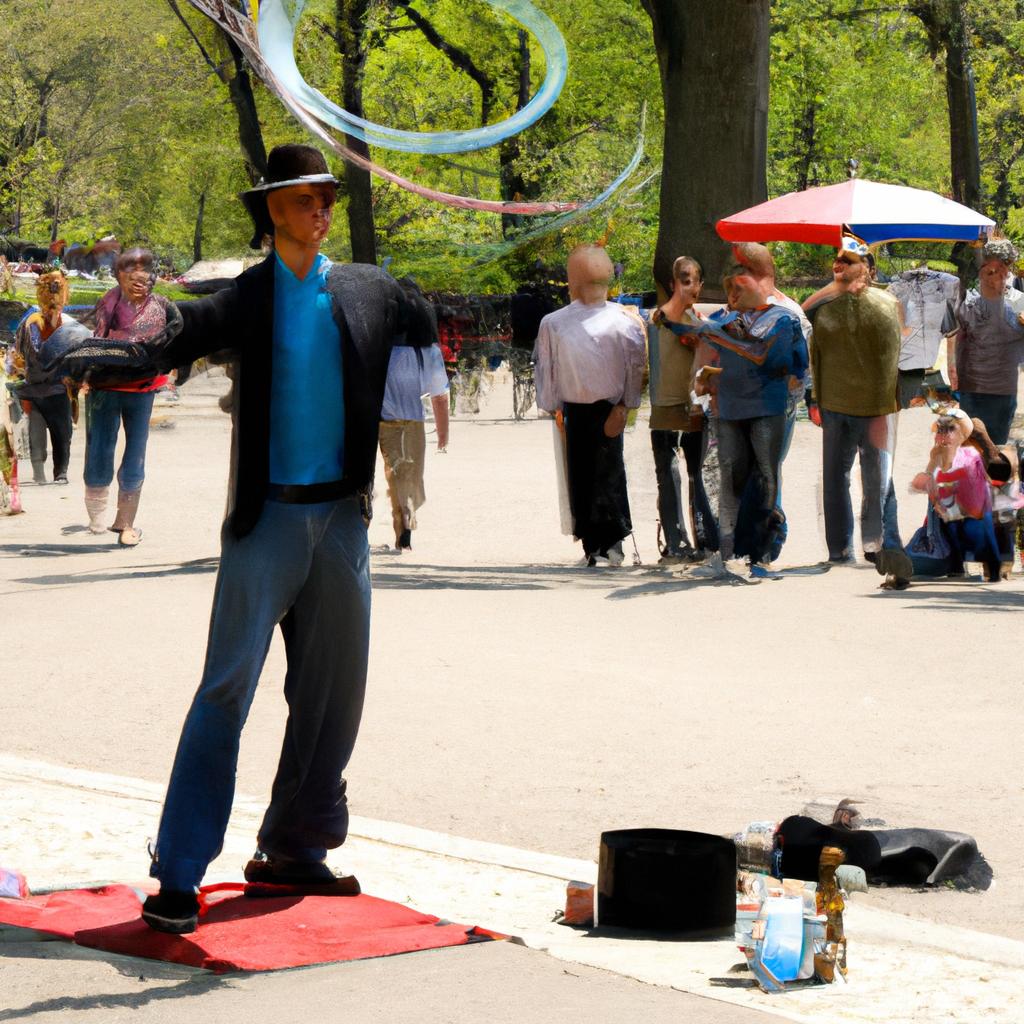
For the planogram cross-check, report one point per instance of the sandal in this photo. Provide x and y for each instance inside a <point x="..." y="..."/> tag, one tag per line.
<point x="129" y="537"/>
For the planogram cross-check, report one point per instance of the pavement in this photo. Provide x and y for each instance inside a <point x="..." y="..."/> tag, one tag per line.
<point x="87" y="744"/>
<point x="80" y="828"/>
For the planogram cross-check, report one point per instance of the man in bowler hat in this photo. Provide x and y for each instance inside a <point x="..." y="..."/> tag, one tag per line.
<point x="312" y="340"/>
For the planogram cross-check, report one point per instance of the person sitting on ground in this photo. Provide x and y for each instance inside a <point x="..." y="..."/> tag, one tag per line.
<point x="675" y="424"/>
<point x="129" y="312"/>
<point x="984" y="355"/>
<point x="1002" y="473"/>
<point x="958" y="526"/>
<point x="43" y="394"/>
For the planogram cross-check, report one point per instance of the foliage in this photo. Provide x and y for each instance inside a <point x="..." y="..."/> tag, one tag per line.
<point x="111" y="120"/>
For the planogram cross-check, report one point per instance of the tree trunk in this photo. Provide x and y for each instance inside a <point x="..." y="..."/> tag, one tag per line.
<point x="946" y="26"/>
<point x="197" y="235"/>
<point x="964" y="158"/>
<point x="350" y="16"/>
<point x="513" y="184"/>
<point x="55" y="219"/>
<point x="250" y="134"/>
<point x="807" y="137"/>
<point x="713" y="59"/>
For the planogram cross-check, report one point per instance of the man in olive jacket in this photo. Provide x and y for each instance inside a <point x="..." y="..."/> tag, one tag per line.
<point x="312" y="342"/>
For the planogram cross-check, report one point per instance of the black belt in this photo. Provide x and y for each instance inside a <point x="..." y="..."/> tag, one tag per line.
<point x="308" y="494"/>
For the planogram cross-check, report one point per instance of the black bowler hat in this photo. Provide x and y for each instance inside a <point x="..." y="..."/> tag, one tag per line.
<point x="290" y="164"/>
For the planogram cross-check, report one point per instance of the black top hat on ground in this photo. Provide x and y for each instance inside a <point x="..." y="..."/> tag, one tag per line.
<point x="290" y="164"/>
<point x="667" y="880"/>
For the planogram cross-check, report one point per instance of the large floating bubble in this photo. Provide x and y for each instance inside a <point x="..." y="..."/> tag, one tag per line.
<point x="277" y="23"/>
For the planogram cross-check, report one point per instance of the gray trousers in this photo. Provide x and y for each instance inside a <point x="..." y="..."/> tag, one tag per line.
<point x="872" y="439"/>
<point x="305" y="567"/>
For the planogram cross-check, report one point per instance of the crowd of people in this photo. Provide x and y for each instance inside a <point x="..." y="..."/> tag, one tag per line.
<point x="332" y="361"/>
<point x="726" y="383"/>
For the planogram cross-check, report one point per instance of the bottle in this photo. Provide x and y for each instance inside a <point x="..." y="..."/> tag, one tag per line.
<point x="829" y="900"/>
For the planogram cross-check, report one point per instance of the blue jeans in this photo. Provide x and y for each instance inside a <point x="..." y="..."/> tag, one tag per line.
<point x="995" y="411"/>
<point x="750" y="536"/>
<point x="307" y="568"/>
<point x="844" y="438"/>
<point x="745" y="448"/>
<point x="105" y="412"/>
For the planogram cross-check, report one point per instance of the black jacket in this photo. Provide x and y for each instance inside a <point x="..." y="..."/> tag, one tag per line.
<point x="373" y="313"/>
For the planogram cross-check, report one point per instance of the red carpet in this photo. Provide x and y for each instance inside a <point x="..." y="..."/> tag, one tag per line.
<point x="240" y="934"/>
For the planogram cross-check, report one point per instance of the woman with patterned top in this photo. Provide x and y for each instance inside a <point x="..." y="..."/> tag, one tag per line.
<point x="129" y="312"/>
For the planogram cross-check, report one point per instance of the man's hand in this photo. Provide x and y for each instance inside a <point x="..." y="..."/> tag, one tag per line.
<point x="616" y="422"/>
<point x="439" y="404"/>
<point x="705" y="373"/>
<point x="954" y="381"/>
<point x="813" y="409"/>
<point x="560" y="420"/>
<point x="922" y="483"/>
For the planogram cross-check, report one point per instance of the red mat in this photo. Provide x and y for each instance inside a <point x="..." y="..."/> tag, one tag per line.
<point x="241" y="934"/>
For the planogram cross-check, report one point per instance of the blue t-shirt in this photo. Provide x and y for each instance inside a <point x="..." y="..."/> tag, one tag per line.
<point x="307" y="402"/>
<point x="412" y="373"/>
<point x="746" y="390"/>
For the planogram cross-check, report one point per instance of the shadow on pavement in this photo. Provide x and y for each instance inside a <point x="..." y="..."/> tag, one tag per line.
<point x="142" y="572"/>
<point x="955" y="596"/>
<point x="203" y="982"/>
<point x="56" y="550"/>
<point x="408" y="576"/>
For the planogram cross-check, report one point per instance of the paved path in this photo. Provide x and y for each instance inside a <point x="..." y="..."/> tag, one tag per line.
<point x="516" y="700"/>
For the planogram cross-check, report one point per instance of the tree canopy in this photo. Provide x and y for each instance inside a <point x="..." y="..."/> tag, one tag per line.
<point x="115" y="118"/>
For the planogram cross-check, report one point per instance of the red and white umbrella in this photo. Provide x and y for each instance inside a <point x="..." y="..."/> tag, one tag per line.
<point x="872" y="211"/>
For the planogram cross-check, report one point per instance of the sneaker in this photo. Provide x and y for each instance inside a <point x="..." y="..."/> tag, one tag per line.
<point x="62" y="479"/>
<point x="312" y="878"/>
<point x="599" y="562"/>
<point x="713" y="568"/>
<point x="172" y="911"/>
<point x="736" y="567"/>
<point x="673" y="558"/>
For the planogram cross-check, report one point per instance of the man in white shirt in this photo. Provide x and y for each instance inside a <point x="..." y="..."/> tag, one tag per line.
<point x="411" y="375"/>
<point x="591" y="357"/>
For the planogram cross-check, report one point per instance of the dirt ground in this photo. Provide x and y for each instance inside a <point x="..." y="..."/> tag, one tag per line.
<point x="518" y="699"/>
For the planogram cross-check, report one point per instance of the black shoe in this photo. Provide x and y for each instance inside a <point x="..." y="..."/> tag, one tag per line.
<point x="404" y="540"/>
<point x="313" y="878"/>
<point x="172" y="911"/>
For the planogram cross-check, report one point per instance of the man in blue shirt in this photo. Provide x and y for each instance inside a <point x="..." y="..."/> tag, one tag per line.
<point x="313" y="341"/>
<point x="756" y="370"/>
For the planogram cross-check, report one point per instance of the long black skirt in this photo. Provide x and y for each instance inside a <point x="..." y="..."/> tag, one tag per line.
<point x="597" y="478"/>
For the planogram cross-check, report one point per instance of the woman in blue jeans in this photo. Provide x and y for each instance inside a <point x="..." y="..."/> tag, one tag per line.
<point x="129" y="312"/>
